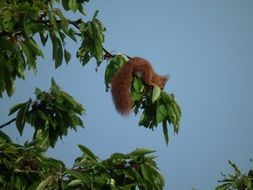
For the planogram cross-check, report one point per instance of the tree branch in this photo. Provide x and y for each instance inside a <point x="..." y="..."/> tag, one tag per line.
<point x="7" y="123"/>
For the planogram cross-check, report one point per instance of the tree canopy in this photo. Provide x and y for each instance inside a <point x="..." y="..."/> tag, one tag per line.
<point x="25" y="26"/>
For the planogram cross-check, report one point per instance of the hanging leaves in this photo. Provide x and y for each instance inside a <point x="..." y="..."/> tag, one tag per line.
<point x="93" y="38"/>
<point x="51" y="114"/>
<point x="159" y="107"/>
<point x="22" y="20"/>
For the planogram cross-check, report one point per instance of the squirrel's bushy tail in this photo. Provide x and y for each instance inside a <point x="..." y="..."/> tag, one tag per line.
<point x="120" y="87"/>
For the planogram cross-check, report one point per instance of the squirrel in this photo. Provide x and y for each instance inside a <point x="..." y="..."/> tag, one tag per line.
<point x="122" y="80"/>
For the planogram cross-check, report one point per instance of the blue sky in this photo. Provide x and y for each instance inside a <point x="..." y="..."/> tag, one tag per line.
<point x="207" y="49"/>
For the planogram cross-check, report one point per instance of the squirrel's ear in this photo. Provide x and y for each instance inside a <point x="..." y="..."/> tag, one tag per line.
<point x="167" y="76"/>
<point x="165" y="79"/>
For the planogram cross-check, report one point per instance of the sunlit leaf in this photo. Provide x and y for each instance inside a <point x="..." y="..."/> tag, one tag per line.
<point x="72" y="4"/>
<point x="141" y="151"/>
<point x="75" y="182"/>
<point x="156" y="93"/>
<point x="87" y="152"/>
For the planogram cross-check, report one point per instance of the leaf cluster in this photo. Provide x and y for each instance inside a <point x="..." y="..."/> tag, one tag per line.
<point x="92" y="35"/>
<point x="25" y="27"/>
<point x="158" y="106"/>
<point x="51" y="115"/>
<point x="23" y="167"/>
<point x="26" y="167"/>
<point x="236" y="181"/>
<point x="23" y="22"/>
<point x="120" y="171"/>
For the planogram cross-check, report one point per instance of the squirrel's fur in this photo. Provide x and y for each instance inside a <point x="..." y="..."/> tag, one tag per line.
<point x="122" y="80"/>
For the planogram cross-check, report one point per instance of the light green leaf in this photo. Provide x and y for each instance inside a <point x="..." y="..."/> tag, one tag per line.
<point x="146" y="173"/>
<point x="75" y="182"/>
<point x="43" y="184"/>
<point x="73" y="5"/>
<point x="156" y="93"/>
<point x="141" y="151"/>
<point x="87" y="152"/>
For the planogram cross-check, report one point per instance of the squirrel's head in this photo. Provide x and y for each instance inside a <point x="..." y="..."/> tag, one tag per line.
<point x="163" y="82"/>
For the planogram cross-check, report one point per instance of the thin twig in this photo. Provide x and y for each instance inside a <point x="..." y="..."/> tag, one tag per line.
<point x="8" y="123"/>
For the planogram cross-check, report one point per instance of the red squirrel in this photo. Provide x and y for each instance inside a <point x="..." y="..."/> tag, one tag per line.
<point x="122" y="80"/>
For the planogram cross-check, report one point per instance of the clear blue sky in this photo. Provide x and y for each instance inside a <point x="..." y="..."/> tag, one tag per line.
<point x="206" y="47"/>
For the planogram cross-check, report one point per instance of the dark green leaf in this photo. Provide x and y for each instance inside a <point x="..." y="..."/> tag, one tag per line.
<point x="67" y="56"/>
<point x="43" y="38"/>
<point x="246" y="181"/>
<point x="161" y="113"/>
<point x="16" y="107"/>
<point x="5" y="137"/>
<point x="20" y="119"/>
<point x="81" y="176"/>
<point x="57" y="52"/>
<point x="165" y="132"/>
<point x="65" y="4"/>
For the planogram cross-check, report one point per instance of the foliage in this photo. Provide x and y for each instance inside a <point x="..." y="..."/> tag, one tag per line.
<point x="51" y="114"/>
<point x="25" y="28"/>
<point x="23" y="21"/>
<point x="26" y="167"/>
<point x="158" y="106"/>
<point x="236" y="181"/>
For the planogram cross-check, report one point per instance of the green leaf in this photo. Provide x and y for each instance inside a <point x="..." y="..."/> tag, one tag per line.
<point x="45" y="183"/>
<point x="161" y="113"/>
<point x="141" y="151"/>
<point x="165" y="132"/>
<point x="10" y="88"/>
<point x="6" y="44"/>
<point x="5" y="137"/>
<point x="235" y="167"/>
<point x="146" y="173"/>
<point x="34" y="48"/>
<point x="156" y="93"/>
<point x="21" y="115"/>
<point x="67" y="56"/>
<point x="224" y="186"/>
<point x="57" y="52"/>
<point x="65" y="4"/>
<point x="73" y="5"/>
<point x="80" y="176"/>
<point x="95" y="14"/>
<point x="75" y="182"/>
<point x="87" y="152"/>
<point x="43" y="38"/>
<point x="246" y="181"/>
<point x="64" y="22"/>
<point x="16" y="107"/>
